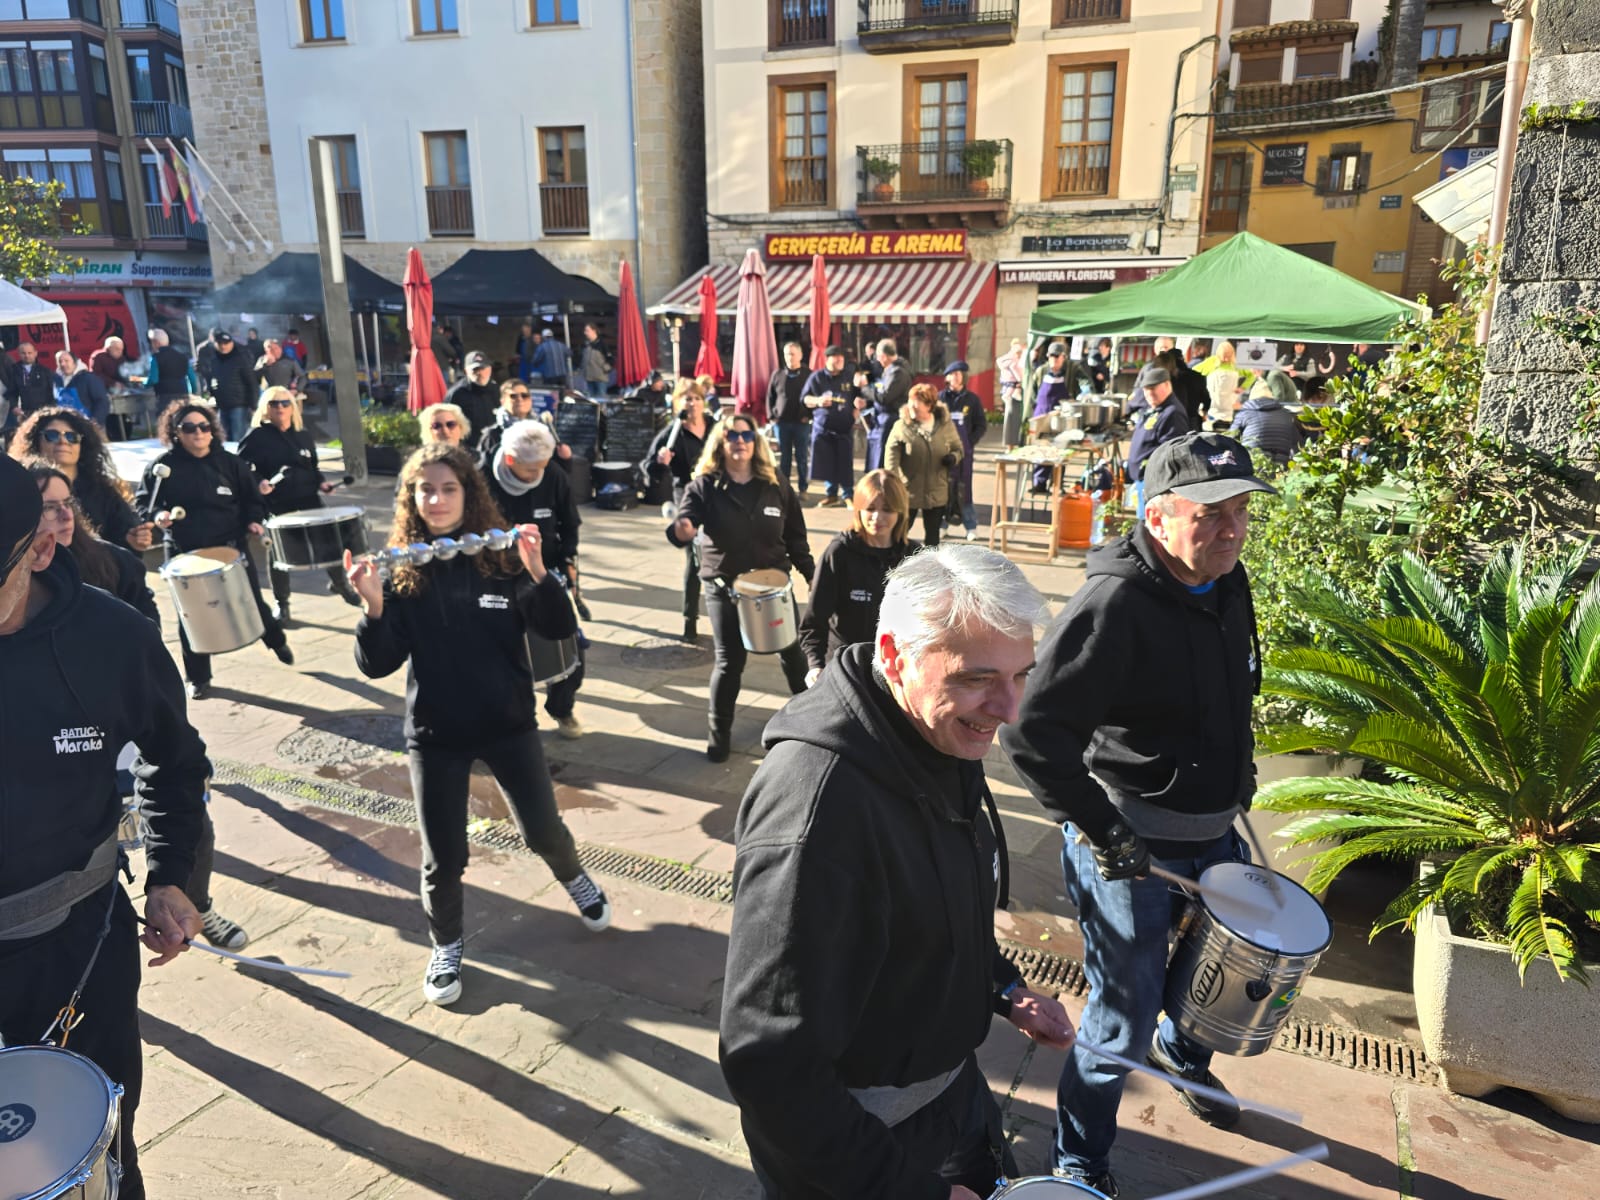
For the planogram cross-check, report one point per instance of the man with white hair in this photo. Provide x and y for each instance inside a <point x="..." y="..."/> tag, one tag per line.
<point x="529" y="492"/>
<point x="862" y="965"/>
<point x="1135" y="735"/>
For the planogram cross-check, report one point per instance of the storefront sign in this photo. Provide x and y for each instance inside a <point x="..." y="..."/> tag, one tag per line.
<point x="1283" y="164"/>
<point x="931" y="243"/>
<point x="1077" y="243"/>
<point x="1459" y="159"/>
<point x="154" y="269"/>
<point x="1183" y="181"/>
<point x="1079" y="273"/>
<point x="1391" y="201"/>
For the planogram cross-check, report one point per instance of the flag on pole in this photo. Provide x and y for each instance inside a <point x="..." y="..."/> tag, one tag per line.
<point x="165" y="183"/>
<point x="198" y="184"/>
<point x="180" y="170"/>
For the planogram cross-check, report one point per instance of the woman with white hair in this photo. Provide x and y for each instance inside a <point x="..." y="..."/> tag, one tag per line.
<point x="280" y="450"/>
<point x="445" y="423"/>
<point x="529" y="492"/>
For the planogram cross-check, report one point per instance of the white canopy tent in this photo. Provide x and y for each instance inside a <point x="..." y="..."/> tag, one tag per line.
<point x="18" y="307"/>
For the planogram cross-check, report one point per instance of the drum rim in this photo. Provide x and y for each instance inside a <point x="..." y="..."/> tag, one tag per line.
<point x="1054" y="1180"/>
<point x="83" y="1170"/>
<point x="220" y="568"/>
<point x="334" y="514"/>
<point x="1280" y="951"/>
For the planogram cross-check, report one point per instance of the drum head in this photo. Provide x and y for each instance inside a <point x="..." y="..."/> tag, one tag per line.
<point x="54" y="1106"/>
<point x="202" y="562"/>
<point x="1242" y="899"/>
<point x="613" y="466"/>
<point x="1046" y="1187"/>
<point x="317" y="516"/>
<point x="761" y="583"/>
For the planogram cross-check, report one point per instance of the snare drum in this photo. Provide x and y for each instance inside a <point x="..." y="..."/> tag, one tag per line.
<point x="552" y="661"/>
<point x="1046" y="1187"/>
<point x="1242" y="956"/>
<point x="212" y="593"/>
<point x="58" y="1126"/>
<point x="316" y="538"/>
<point x="768" y="622"/>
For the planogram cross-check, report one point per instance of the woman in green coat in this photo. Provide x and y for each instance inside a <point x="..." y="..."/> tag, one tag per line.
<point x="923" y="449"/>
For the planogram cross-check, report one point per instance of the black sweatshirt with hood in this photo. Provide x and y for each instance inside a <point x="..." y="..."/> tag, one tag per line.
<point x="85" y="676"/>
<point x="218" y="492"/>
<point x="862" y="951"/>
<point x="1140" y="705"/>
<point x="846" y="594"/>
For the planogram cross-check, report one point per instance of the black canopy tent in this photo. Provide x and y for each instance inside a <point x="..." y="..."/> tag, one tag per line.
<point x="292" y="283"/>
<point x="492" y="283"/>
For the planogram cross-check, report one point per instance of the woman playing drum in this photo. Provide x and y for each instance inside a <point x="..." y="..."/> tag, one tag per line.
<point x="459" y="626"/>
<point x="278" y="445"/>
<point x="76" y="447"/>
<point x="678" y="448"/>
<point x="222" y="503"/>
<point x="744" y="518"/>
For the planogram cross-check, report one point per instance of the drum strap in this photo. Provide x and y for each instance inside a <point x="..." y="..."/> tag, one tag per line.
<point x="45" y="906"/>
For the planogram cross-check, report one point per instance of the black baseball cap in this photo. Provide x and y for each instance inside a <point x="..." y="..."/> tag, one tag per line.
<point x="1204" y="467"/>
<point x="221" y="335"/>
<point x="835" y="351"/>
<point x="20" y="508"/>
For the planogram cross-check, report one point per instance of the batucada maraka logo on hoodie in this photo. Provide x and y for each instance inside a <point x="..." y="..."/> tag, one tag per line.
<point x="80" y="738"/>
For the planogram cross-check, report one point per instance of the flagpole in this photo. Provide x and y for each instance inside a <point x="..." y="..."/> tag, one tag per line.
<point x="223" y="188"/>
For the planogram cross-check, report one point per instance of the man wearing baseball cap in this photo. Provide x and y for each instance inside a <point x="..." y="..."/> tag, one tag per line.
<point x="82" y="674"/>
<point x="1158" y="423"/>
<point x="1135" y="734"/>
<point x="476" y="396"/>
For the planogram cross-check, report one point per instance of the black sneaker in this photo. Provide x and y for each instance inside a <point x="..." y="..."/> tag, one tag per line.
<point x="285" y="655"/>
<point x="198" y="691"/>
<point x="583" y="609"/>
<point x="591" y="901"/>
<point x="1222" y="1114"/>
<point x="441" y="983"/>
<point x="1105" y="1182"/>
<point x="221" y="932"/>
<point x="345" y="592"/>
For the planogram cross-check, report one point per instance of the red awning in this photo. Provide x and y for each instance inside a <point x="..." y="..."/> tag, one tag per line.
<point x="881" y="292"/>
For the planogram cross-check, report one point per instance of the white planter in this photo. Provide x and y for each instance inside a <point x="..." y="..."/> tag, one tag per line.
<point x="1485" y="1029"/>
<point x="1267" y="824"/>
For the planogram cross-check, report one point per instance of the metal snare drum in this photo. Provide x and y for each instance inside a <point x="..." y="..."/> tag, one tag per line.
<point x="1242" y="956"/>
<point x="768" y="622"/>
<point x="316" y="538"/>
<point x="211" y="590"/>
<point x="552" y="661"/>
<point x="58" y="1126"/>
<point x="1045" y="1187"/>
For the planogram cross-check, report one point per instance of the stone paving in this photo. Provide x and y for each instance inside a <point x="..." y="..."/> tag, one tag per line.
<point x="582" y="1065"/>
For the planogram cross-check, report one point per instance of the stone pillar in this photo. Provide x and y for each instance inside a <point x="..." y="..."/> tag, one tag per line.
<point x="1551" y="258"/>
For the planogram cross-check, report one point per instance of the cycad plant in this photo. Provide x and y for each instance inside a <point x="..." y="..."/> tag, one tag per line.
<point x="1483" y="712"/>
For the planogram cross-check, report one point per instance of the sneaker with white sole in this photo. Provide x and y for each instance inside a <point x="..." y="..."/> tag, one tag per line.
<point x="592" y="904"/>
<point x="221" y="932"/>
<point x="569" y="728"/>
<point x="1104" y="1183"/>
<point x="441" y="983"/>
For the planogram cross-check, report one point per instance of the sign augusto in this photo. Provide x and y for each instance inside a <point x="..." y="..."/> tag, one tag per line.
<point x="932" y="243"/>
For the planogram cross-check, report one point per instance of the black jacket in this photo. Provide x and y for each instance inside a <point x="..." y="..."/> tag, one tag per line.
<point x="103" y="504"/>
<point x="1147" y="686"/>
<point x="1189" y="388"/>
<point x="85" y="676"/>
<point x="846" y="592"/>
<point x="172" y="373"/>
<point x="1265" y="425"/>
<point x="862" y="951"/>
<point x="745" y="527"/>
<point x="1154" y="426"/>
<point x="230" y="378"/>
<point x="478" y="403"/>
<point x="549" y="505"/>
<point x="32" y="387"/>
<point x="269" y="450"/>
<point x="836" y="419"/>
<point x="783" y="396"/>
<point x="218" y="492"/>
<point x="463" y="641"/>
<point x="686" y="447"/>
<point x="132" y="587"/>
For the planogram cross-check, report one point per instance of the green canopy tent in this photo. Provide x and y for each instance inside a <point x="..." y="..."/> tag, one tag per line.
<point x="1246" y="286"/>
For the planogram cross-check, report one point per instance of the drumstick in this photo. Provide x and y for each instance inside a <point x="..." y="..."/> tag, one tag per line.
<point x="1201" y="889"/>
<point x="1188" y="1085"/>
<point x="255" y="962"/>
<point x="160" y="471"/>
<point x="1249" y="1175"/>
<point x="1260" y="852"/>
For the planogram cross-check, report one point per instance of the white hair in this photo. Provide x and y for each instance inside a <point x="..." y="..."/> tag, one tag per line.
<point x="957" y="588"/>
<point x="529" y="442"/>
<point x="158" y="337"/>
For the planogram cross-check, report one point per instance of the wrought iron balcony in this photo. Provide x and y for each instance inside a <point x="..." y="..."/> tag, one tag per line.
<point x="352" y="220"/>
<point x="893" y="26"/>
<point x="161" y="118"/>
<point x="175" y="224"/>
<point x="951" y="177"/>
<point x="564" y="207"/>
<point x="450" y="211"/>
<point x="796" y="23"/>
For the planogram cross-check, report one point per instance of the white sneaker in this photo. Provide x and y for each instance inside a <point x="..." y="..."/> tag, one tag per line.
<point x="592" y="904"/>
<point x="441" y="983"/>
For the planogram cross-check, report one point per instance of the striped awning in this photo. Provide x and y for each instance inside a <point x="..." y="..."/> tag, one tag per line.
<point x="882" y="292"/>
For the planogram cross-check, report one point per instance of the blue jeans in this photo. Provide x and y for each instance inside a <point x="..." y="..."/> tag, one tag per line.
<point x="596" y="388"/>
<point x="1138" y="491"/>
<point x="794" y="442"/>
<point x="236" y="423"/>
<point x="1125" y="926"/>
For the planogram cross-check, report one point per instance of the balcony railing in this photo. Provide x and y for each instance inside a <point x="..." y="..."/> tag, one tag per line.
<point x="887" y="25"/>
<point x="175" y="224"/>
<point x="1088" y="12"/>
<point x="564" y="207"/>
<point x="797" y="23"/>
<point x="150" y="14"/>
<point x="161" y="118"/>
<point x="352" y="220"/>
<point x="450" y="211"/>
<point x="928" y="172"/>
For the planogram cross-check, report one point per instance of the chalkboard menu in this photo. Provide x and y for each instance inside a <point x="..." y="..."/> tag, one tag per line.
<point x="1285" y="164"/>
<point x="578" y="425"/>
<point x="631" y="426"/>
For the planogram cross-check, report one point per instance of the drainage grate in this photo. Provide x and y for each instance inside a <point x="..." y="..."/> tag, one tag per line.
<point x="1043" y="969"/>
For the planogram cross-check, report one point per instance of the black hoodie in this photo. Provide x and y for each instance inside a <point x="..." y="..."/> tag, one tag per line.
<point x="294" y="452"/>
<point x="219" y="494"/>
<point x="862" y="951"/>
<point x="1149" y="687"/>
<point x="846" y="593"/>
<point x="745" y="526"/>
<point x="85" y="676"/>
<point x="468" y="682"/>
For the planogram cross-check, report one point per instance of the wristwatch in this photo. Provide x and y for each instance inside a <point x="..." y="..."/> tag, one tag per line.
<point x="1003" y="1002"/>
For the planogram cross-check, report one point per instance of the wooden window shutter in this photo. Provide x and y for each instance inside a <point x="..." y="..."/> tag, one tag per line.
<point x="1323" y="183"/>
<point x="1364" y="172"/>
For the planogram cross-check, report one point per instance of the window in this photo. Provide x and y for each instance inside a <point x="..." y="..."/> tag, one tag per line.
<point x="434" y="16"/>
<point x="552" y="12"/>
<point x="1088" y="12"/>
<point x="98" y="77"/>
<point x="347" y="187"/>
<point x="1389" y="262"/>
<point x="801" y="111"/>
<point x="1229" y="194"/>
<point x="72" y="169"/>
<point x="1499" y="36"/>
<point x="1330" y="10"/>
<point x="795" y="23"/>
<point x="1319" y="64"/>
<point x="1439" y="41"/>
<point x="564" y="194"/>
<point x="1321" y="252"/>
<point x="322" y="20"/>
<point x="940" y="113"/>
<point x="16" y="70"/>
<point x="449" y="188"/>
<point x="1083" y="125"/>
<point x="177" y="81"/>
<point x="1344" y="171"/>
<point x="1261" y="69"/>
<point x="54" y="67"/>
<point x="140" y="84"/>
<point x="1249" y="13"/>
<point x="1459" y="112"/>
<point x="116" y="196"/>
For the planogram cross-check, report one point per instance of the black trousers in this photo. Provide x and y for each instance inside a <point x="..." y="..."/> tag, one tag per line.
<point x="932" y="523"/>
<point x="41" y="974"/>
<point x="197" y="667"/>
<point x="560" y="697"/>
<point x="727" y="667"/>
<point x="957" y="1136"/>
<point x="282" y="582"/>
<point x="691" y="565"/>
<point x="440" y="777"/>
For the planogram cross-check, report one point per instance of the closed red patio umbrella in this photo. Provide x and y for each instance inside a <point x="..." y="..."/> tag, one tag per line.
<point x="755" y="349"/>
<point x="708" y="361"/>
<point x="633" y="352"/>
<point x="821" y="322"/>
<point x="427" y="382"/>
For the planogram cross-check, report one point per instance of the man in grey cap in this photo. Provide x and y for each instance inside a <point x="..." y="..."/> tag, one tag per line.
<point x="1147" y="680"/>
<point x="1155" y="425"/>
<point x="1058" y="378"/>
<point x="476" y="396"/>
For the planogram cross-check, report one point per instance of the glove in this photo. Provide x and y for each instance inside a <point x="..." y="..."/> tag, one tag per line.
<point x="950" y="459"/>
<point x="1124" y="855"/>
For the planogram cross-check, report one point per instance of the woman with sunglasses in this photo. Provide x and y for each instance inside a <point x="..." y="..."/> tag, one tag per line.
<point x="744" y="518"/>
<point x="445" y="423"/>
<point x="459" y="624"/>
<point x="278" y="444"/>
<point x="223" y="504"/>
<point x="74" y="445"/>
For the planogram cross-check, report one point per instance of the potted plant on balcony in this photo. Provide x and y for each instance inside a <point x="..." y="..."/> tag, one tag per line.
<point x="882" y="171"/>
<point x="978" y="160"/>
<point x="1481" y="707"/>
<point x="390" y="436"/>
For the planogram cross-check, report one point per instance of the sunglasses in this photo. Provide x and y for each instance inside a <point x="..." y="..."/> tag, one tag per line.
<point x="68" y="436"/>
<point x="741" y="435"/>
<point x="280" y="403"/>
<point x="195" y="427"/>
<point x="441" y="426"/>
<point x="522" y="395"/>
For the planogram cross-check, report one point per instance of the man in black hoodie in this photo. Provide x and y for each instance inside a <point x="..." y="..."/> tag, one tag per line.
<point x="1135" y="734"/>
<point x="862" y="965"/>
<point x="81" y="675"/>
